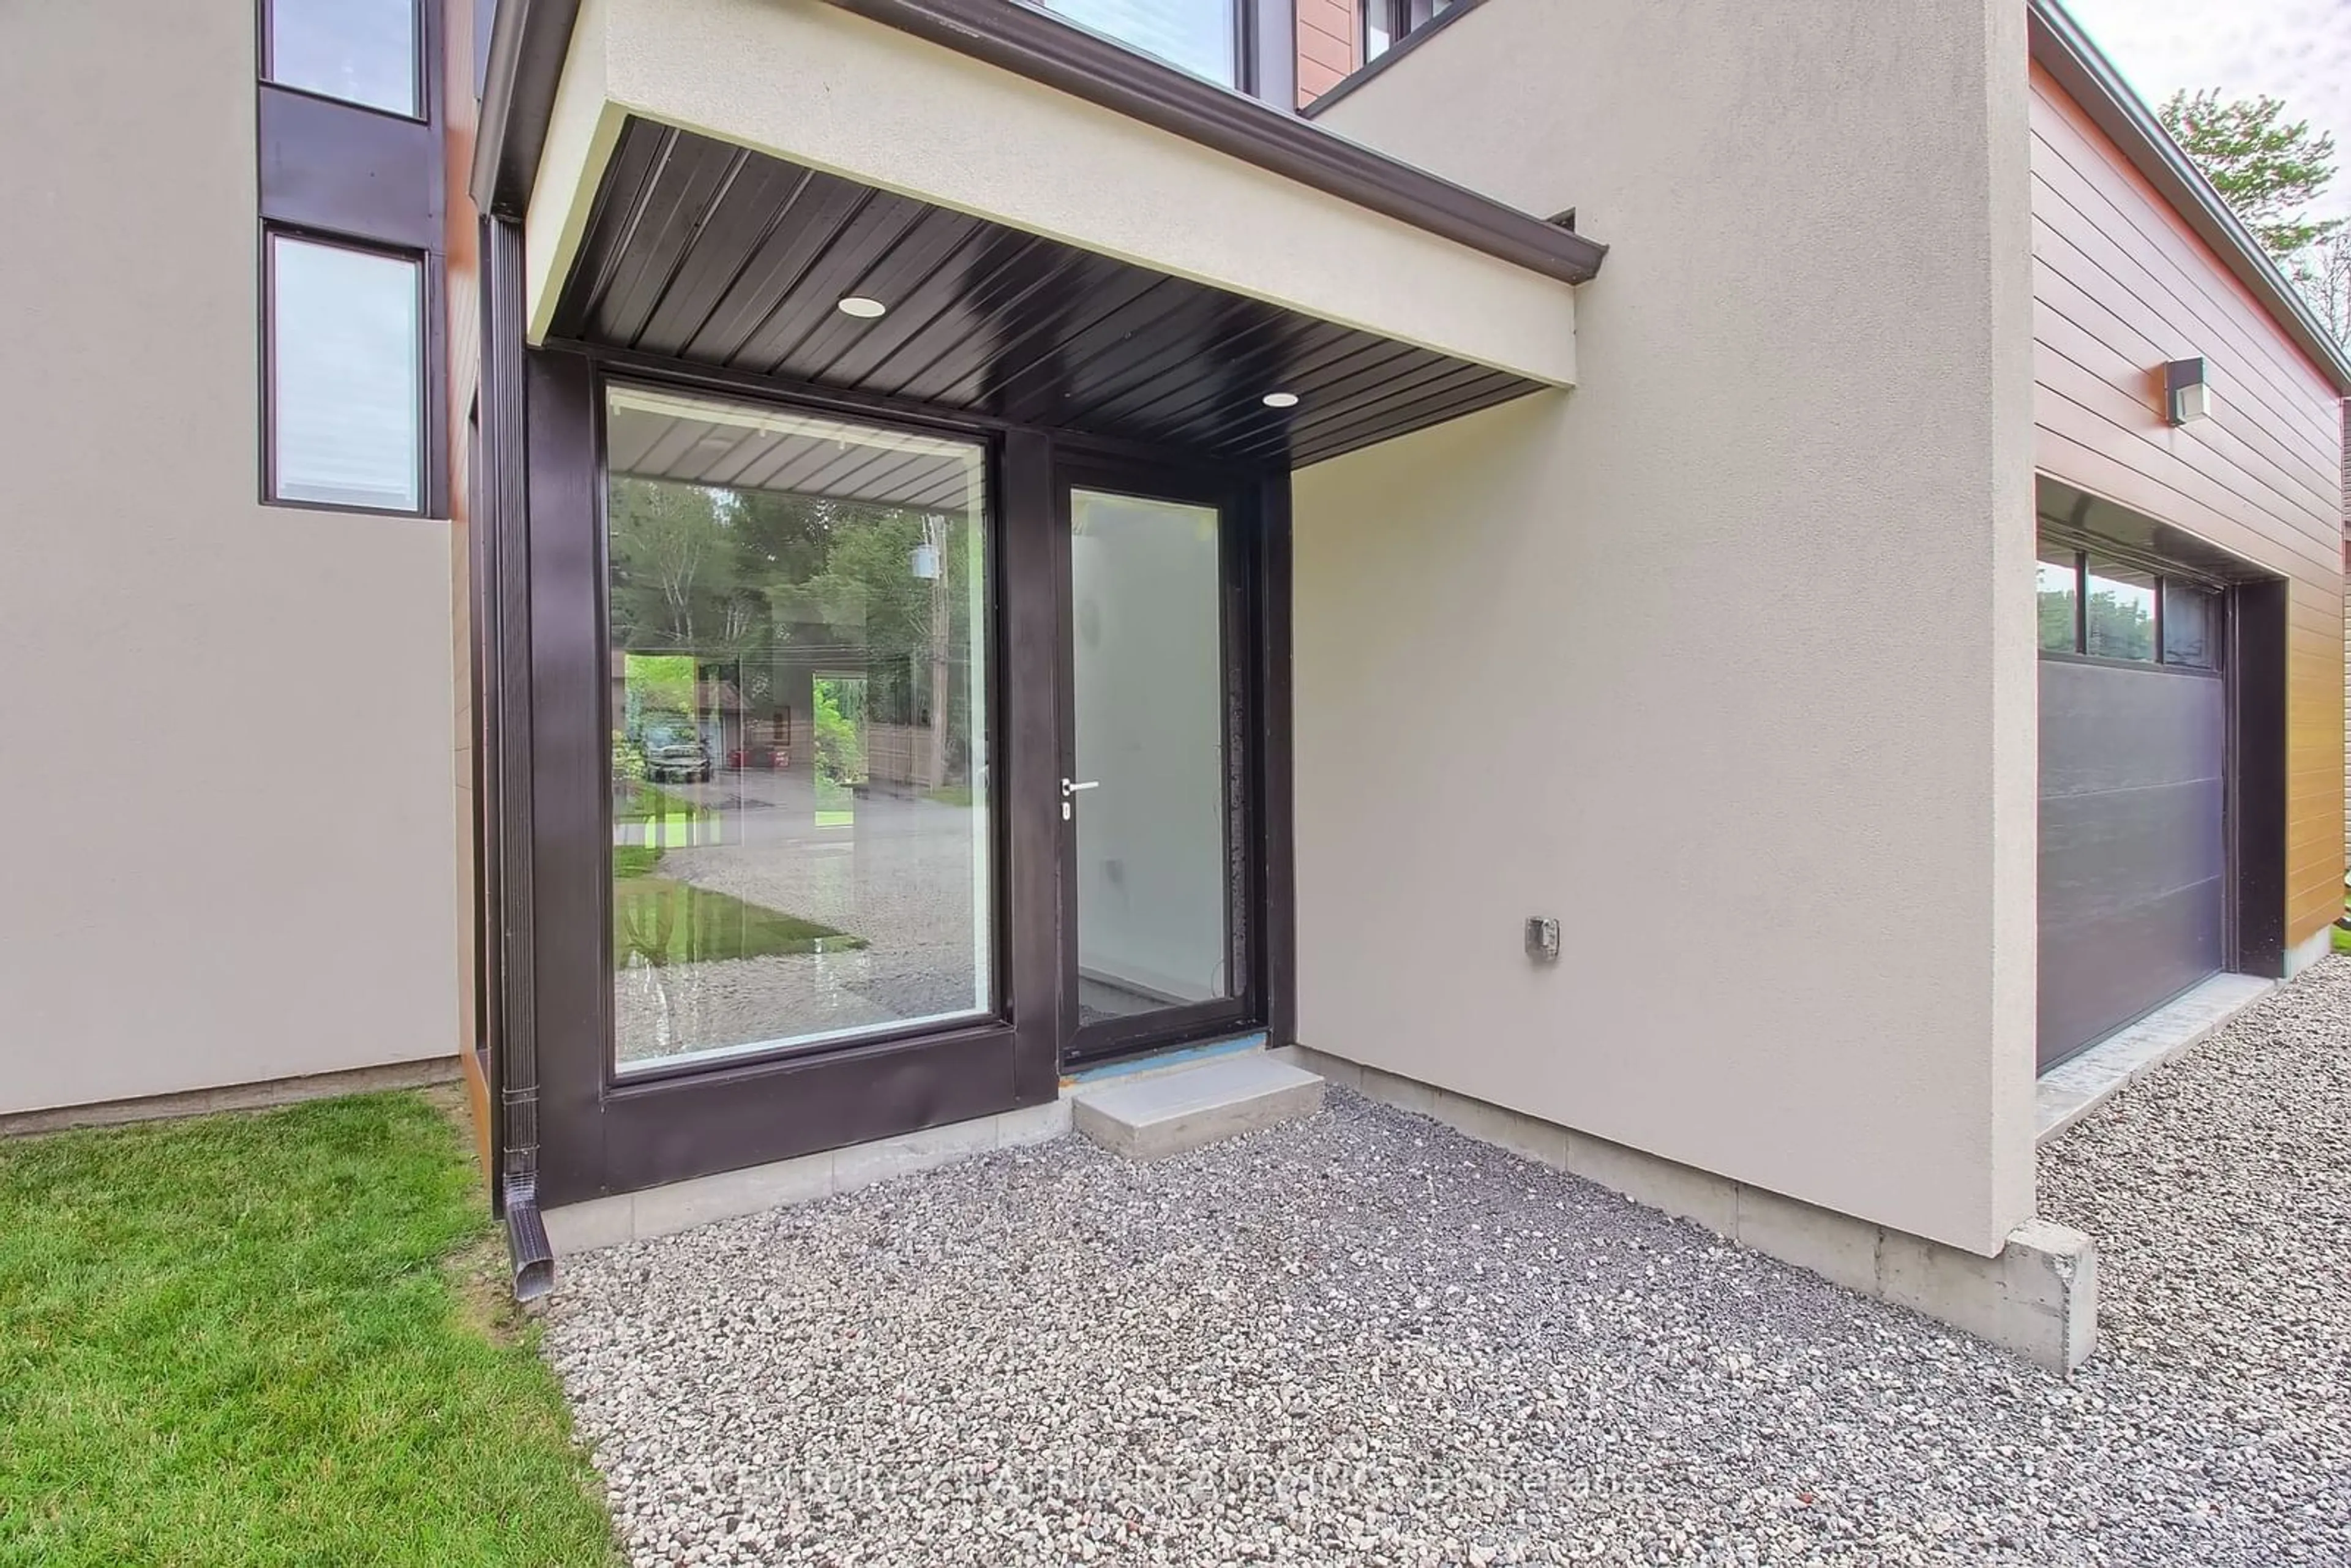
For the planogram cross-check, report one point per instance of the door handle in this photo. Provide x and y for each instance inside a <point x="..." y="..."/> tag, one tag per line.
<point x="1071" y="787"/>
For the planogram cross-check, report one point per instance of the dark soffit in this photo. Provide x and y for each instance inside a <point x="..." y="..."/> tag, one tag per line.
<point x="699" y="251"/>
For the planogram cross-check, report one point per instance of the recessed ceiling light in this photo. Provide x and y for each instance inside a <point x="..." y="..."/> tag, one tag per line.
<point x="1280" y="400"/>
<point x="862" y="307"/>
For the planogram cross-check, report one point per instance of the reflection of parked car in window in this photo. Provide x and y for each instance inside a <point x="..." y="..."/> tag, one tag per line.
<point x="673" y="751"/>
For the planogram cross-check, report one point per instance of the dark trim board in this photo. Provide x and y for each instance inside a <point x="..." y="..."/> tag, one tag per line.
<point x="501" y="608"/>
<point x="2257" y="675"/>
<point x="341" y="169"/>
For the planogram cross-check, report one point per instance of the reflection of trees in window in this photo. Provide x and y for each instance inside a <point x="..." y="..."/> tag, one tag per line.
<point x="2060" y="583"/>
<point x="760" y="581"/>
<point x="2121" y="617"/>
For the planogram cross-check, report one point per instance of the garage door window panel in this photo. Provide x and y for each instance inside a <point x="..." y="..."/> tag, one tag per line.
<point x="2120" y="609"/>
<point x="2060" y="585"/>
<point x="2192" y="625"/>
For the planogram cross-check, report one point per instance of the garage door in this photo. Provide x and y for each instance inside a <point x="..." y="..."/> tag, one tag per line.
<point x="2134" y="871"/>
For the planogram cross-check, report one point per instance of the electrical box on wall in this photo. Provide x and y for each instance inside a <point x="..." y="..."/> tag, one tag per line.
<point x="1542" y="938"/>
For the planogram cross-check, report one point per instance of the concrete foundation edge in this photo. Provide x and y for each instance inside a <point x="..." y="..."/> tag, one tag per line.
<point x="2036" y="1298"/>
<point x="2309" y="951"/>
<point x="600" y="1222"/>
<point x="234" y="1097"/>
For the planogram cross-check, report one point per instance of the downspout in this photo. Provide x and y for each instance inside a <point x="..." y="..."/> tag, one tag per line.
<point x="528" y="40"/>
<point x="507" y="605"/>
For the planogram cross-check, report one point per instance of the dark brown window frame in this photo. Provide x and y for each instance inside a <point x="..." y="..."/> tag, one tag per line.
<point x="1240" y="659"/>
<point x="2080" y="651"/>
<point x="366" y="179"/>
<point x="566" y="1131"/>
<point x="428" y="444"/>
<point x="998" y="1013"/>
<point x="424" y="16"/>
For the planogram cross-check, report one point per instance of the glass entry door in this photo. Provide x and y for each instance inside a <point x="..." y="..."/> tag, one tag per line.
<point x="1155" y="798"/>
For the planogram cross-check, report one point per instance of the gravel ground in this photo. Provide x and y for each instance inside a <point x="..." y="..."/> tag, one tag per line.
<point x="1366" y="1340"/>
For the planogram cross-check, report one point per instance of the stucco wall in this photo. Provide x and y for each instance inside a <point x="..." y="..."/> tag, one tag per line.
<point x="227" y="728"/>
<point x="812" y="82"/>
<point x="1725" y="658"/>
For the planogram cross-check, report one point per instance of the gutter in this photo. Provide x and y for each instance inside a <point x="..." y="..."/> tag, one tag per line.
<point x="2062" y="49"/>
<point x="528" y="41"/>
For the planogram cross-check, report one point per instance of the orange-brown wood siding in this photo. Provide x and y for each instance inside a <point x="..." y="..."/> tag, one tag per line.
<point x="1328" y="49"/>
<point x="2121" y="284"/>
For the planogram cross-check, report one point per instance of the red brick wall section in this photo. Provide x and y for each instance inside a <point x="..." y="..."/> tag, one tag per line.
<point x="1328" y="48"/>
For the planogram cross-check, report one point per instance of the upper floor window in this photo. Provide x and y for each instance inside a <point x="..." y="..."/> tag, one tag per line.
<point x="345" y="409"/>
<point x="1386" y="23"/>
<point x="367" y="52"/>
<point x="1203" y="36"/>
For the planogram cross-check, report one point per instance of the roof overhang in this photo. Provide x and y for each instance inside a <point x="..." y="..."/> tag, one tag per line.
<point x="698" y="251"/>
<point x="2062" y="49"/>
<point x="1043" y="128"/>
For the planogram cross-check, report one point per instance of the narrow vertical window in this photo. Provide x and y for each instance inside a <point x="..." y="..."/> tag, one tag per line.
<point x="2192" y="625"/>
<point x="346" y="407"/>
<point x="2120" y="611"/>
<point x="2060" y="579"/>
<point x="360" y="51"/>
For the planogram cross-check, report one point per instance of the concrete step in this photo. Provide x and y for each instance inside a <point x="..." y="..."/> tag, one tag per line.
<point x="1145" y="1118"/>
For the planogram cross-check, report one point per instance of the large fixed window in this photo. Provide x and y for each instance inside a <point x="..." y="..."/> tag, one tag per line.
<point x="801" y="846"/>
<point x="367" y="52"/>
<point x="345" y="401"/>
<point x="2108" y="609"/>
<point x="1203" y="36"/>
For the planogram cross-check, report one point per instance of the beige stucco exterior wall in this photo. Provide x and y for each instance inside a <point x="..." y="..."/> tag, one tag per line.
<point x="812" y="82"/>
<point x="1726" y="658"/>
<point x="227" y="726"/>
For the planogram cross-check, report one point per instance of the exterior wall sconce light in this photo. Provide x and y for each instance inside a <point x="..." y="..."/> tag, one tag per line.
<point x="2186" y="395"/>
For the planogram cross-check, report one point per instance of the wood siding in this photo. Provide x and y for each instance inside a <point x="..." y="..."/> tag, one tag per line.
<point x="2121" y="284"/>
<point x="1328" y="48"/>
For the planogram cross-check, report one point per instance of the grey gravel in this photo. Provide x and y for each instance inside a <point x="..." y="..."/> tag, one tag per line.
<point x="1365" y="1339"/>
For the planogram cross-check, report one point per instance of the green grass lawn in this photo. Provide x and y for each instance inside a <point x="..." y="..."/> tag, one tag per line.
<point x="648" y="802"/>
<point x="671" y="922"/>
<point x="268" y="1339"/>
